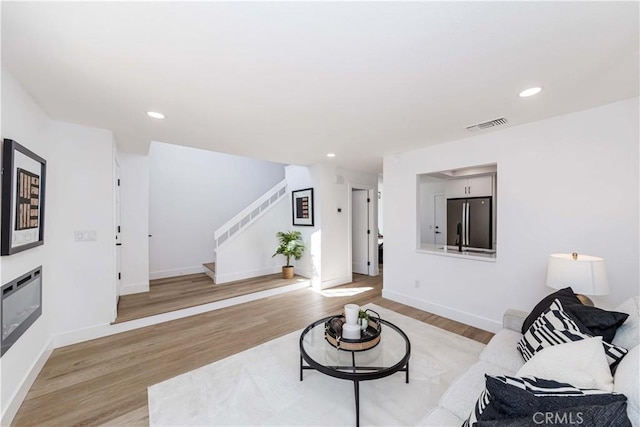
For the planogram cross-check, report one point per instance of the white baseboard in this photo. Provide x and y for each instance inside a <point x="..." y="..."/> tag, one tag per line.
<point x="335" y="282"/>
<point x="444" y="311"/>
<point x="176" y="272"/>
<point x="134" y="288"/>
<point x="20" y="394"/>
<point x="242" y="275"/>
<point x="99" y="331"/>
<point x="360" y="266"/>
<point x="303" y="273"/>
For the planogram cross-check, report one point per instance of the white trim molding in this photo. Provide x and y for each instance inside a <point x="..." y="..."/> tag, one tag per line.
<point x="242" y="275"/>
<point x="176" y="272"/>
<point x="325" y="284"/>
<point x="448" y="312"/>
<point x="99" y="331"/>
<point x="16" y="400"/>
<point x="134" y="288"/>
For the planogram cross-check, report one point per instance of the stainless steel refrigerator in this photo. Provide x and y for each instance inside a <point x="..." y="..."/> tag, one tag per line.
<point x="470" y="223"/>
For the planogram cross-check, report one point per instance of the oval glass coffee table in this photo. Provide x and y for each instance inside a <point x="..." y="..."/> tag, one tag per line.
<point x="391" y="355"/>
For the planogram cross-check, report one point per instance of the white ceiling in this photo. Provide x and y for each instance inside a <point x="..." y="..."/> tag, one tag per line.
<point x="291" y="81"/>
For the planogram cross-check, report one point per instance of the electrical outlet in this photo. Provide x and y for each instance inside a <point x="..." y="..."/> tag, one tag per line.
<point x="416" y="284"/>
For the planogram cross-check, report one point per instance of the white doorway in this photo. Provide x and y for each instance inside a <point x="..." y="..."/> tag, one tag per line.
<point x="439" y="219"/>
<point x="361" y="231"/>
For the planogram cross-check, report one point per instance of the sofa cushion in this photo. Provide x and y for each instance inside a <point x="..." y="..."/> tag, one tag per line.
<point x="555" y="326"/>
<point x="581" y="364"/>
<point x="514" y="319"/>
<point x="463" y="392"/>
<point x="626" y="382"/>
<point x="502" y="351"/>
<point x="566" y="297"/>
<point x="628" y="335"/>
<point x="514" y="397"/>
<point x="440" y="417"/>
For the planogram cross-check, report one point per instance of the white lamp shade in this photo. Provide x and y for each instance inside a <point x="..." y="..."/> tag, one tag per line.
<point x="586" y="274"/>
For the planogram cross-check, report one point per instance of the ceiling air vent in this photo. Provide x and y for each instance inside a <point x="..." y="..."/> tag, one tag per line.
<point x="486" y="125"/>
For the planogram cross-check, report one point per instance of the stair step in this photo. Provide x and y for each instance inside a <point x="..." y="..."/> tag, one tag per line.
<point x="210" y="270"/>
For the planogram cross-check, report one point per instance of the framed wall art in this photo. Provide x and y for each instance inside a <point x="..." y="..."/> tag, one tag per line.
<point x="302" y="208"/>
<point x="23" y="190"/>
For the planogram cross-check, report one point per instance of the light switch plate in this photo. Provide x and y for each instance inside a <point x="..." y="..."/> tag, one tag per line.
<point x="85" y="235"/>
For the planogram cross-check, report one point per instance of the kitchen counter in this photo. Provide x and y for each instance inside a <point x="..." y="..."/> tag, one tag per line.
<point x="451" y="252"/>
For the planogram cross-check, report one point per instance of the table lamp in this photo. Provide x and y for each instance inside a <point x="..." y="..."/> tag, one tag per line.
<point x="585" y="274"/>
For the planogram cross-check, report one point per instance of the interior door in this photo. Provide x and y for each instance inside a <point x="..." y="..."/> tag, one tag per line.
<point x="439" y="219"/>
<point x="117" y="231"/>
<point x="359" y="232"/>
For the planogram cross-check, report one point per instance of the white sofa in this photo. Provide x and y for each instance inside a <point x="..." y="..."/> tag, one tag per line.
<point x="501" y="357"/>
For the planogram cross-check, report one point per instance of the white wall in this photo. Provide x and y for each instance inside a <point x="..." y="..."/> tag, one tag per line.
<point x="309" y="265"/>
<point x="333" y="191"/>
<point x="25" y="122"/>
<point x="80" y="197"/>
<point x="249" y="253"/>
<point x="566" y="184"/>
<point x="134" y="209"/>
<point x="192" y="192"/>
<point x="78" y="278"/>
<point x="327" y="258"/>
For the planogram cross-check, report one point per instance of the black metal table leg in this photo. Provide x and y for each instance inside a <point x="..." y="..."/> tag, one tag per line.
<point x="352" y="372"/>
<point x="356" y="386"/>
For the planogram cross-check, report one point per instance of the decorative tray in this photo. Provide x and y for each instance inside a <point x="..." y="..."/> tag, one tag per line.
<point x="369" y="338"/>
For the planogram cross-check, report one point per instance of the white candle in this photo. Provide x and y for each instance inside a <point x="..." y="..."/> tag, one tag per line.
<point x="351" y="312"/>
<point x="351" y="332"/>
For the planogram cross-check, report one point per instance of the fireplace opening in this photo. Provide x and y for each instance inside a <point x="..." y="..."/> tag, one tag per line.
<point x="21" y="306"/>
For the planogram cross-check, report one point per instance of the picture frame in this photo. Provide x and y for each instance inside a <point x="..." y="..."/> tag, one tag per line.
<point x="302" y="207"/>
<point x="23" y="195"/>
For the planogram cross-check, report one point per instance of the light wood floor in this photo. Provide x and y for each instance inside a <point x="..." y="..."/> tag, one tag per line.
<point x="175" y="293"/>
<point x="104" y="381"/>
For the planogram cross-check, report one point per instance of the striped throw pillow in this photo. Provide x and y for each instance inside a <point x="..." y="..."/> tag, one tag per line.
<point x="553" y="327"/>
<point x="508" y="398"/>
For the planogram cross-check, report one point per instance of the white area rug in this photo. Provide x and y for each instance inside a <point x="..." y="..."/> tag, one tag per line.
<point x="261" y="386"/>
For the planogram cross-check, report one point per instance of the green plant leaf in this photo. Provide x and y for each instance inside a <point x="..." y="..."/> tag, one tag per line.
<point x="290" y="245"/>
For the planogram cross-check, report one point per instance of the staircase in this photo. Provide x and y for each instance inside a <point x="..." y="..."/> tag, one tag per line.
<point x="210" y="270"/>
<point x="243" y="219"/>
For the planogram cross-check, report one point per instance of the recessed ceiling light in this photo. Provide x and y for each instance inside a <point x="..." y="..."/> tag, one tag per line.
<point x="155" y="115"/>
<point x="331" y="154"/>
<point x="530" y="92"/>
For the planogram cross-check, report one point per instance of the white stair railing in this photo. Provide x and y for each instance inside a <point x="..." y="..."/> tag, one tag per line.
<point x="249" y="214"/>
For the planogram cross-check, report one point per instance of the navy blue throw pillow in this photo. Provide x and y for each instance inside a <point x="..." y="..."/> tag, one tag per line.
<point x="598" y="321"/>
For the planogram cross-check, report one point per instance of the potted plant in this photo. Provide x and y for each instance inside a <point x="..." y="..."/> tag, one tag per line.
<point x="363" y="319"/>
<point x="290" y="245"/>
